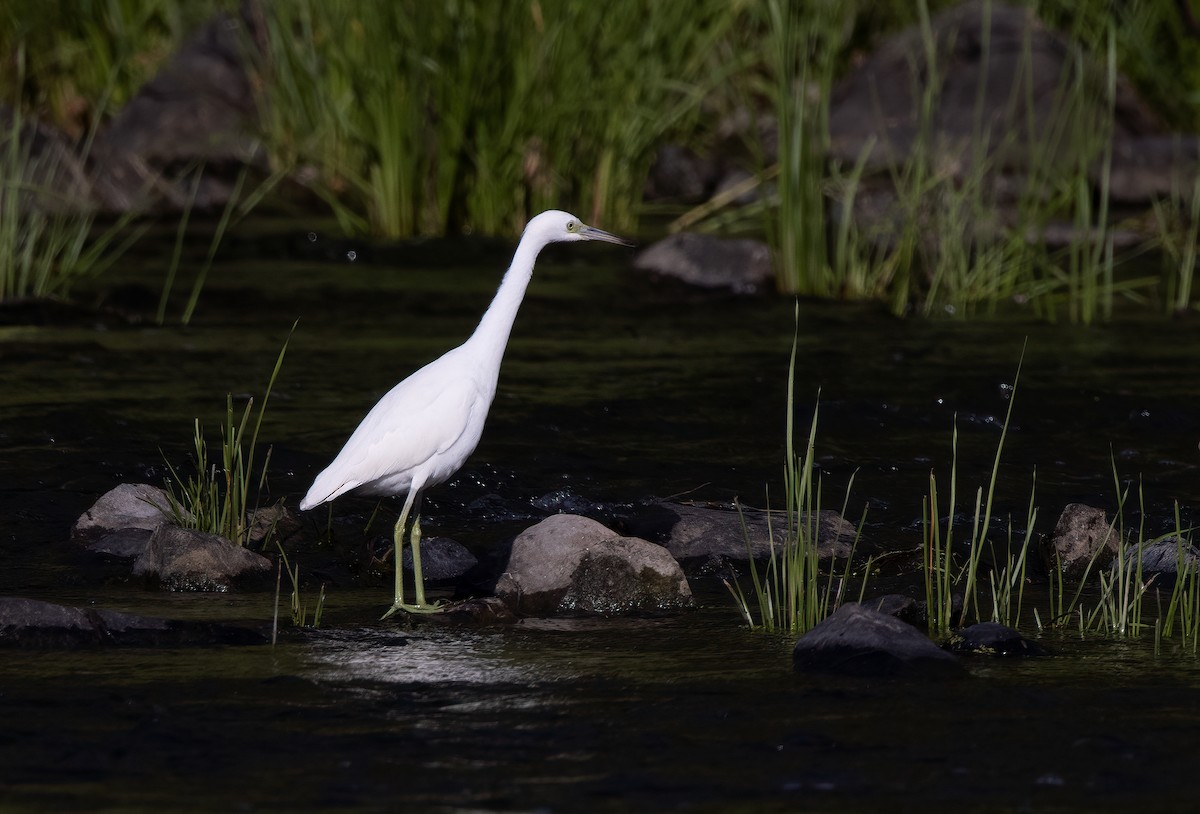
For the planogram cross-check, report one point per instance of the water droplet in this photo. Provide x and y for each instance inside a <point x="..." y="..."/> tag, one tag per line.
<point x="351" y="255"/>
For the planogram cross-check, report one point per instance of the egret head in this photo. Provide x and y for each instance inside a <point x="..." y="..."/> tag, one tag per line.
<point x="556" y="227"/>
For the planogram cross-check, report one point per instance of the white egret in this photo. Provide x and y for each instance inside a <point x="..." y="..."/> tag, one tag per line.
<point x="426" y="427"/>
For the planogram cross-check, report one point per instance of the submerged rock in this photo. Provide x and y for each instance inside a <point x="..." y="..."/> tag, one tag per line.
<point x="1081" y="533"/>
<point x="743" y="266"/>
<point x="855" y="640"/>
<point x="34" y="624"/>
<point x="568" y="563"/>
<point x="705" y="539"/>
<point x="188" y="560"/>
<point x="991" y="638"/>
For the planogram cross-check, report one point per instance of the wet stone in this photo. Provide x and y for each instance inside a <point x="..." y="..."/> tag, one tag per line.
<point x="187" y="560"/>
<point x="858" y="641"/>
<point x="706" y="539"/>
<point x="992" y="638"/>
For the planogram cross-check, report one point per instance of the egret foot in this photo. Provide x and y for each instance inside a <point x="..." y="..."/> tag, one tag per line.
<point x="436" y="607"/>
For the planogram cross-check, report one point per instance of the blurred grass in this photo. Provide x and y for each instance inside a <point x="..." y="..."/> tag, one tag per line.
<point x="412" y="118"/>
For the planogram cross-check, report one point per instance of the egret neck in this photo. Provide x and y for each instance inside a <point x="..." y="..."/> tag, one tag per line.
<point x="491" y="336"/>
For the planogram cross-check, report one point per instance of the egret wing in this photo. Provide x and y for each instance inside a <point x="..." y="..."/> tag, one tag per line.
<point x="422" y="416"/>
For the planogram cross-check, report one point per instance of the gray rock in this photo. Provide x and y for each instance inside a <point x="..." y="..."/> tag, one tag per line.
<point x="703" y="538"/>
<point x="187" y="560"/>
<point x="1081" y="533"/>
<point x="199" y="108"/>
<point x="128" y="506"/>
<point x="126" y="544"/>
<point x="31" y="623"/>
<point x="743" y="266"/>
<point x="442" y="559"/>
<point x="994" y="639"/>
<point x="988" y="119"/>
<point x="857" y="641"/>
<point x="568" y="563"/>
<point x="1161" y="558"/>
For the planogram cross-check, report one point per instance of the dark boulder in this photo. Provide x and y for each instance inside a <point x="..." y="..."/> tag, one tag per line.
<point x="1160" y="560"/>
<point x="992" y="638"/>
<point x="442" y="560"/>
<point x="861" y="642"/>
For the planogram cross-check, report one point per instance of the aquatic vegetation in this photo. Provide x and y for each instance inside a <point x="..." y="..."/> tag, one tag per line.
<point x="299" y="607"/>
<point x="944" y="575"/>
<point x="221" y="498"/>
<point x="790" y="594"/>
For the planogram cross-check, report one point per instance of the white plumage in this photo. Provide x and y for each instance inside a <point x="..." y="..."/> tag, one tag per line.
<point x="426" y="427"/>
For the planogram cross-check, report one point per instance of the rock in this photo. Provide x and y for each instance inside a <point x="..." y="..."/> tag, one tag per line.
<point x="1160" y="560"/>
<point x="1081" y="533"/>
<point x="988" y="119"/>
<point x="128" y="506"/>
<point x="857" y="641"/>
<point x="275" y="522"/>
<point x="187" y="560"/>
<point x="125" y="544"/>
<point x="994" y="639"/>
<point x="199" y="108"/>
<point x="743" y="266"/>
<point x="34" y="624"/>
<point x="573" y="564"/>
<point x="705" y="539"/>
<point x="904" y="608"/>
<point x="442" y="560"/>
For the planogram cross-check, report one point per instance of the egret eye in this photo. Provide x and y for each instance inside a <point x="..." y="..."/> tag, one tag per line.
<point x="573" y="226"/>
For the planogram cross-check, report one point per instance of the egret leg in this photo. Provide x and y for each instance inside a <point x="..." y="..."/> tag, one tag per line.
<point x="416" y="548"/>
<point x="414" y="497"/>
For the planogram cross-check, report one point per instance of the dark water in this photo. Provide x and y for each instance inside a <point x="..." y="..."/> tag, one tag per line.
<point x="615" y="388"/>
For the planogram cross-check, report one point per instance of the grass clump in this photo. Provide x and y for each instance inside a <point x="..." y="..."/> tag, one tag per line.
<point x="221" y="498"/>
<point x="789" y="593"/>
<point x="944" y="576"/>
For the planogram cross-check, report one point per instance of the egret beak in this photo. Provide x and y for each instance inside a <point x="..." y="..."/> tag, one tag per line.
<point x="592" y="233"/>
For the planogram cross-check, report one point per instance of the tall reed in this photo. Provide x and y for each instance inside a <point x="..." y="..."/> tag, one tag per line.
<point x="944" y="574"/>
<point x="789" y="593"/>
<point x="423" y="118"/>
